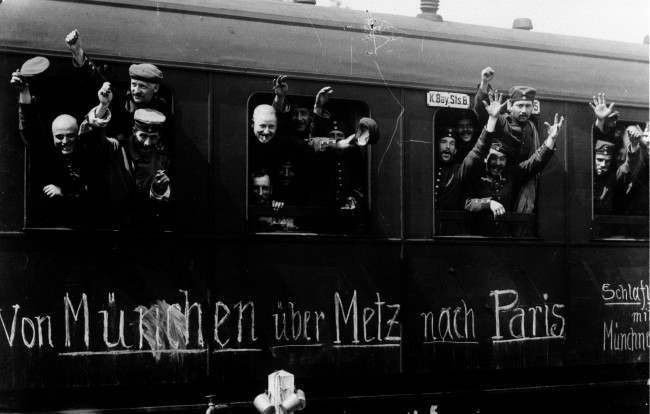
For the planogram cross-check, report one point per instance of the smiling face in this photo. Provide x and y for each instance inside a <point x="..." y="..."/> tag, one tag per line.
<point x="142" y="92"/>
<point x="521" y="110"/>
<point x="465" y="129"/>
<point x="301" y="119"/>
<point x="265" y="123"/>
<point x="496" y="163"/>
<point x="447" y="149"/>
<point x="64" y="134"/>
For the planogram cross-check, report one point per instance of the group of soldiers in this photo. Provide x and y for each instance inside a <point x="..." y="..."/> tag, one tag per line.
<point x="498" y="174"/>
<point x="300" y="157"/>
<point x="112" y="169"/>
<point x="620" y="184"/>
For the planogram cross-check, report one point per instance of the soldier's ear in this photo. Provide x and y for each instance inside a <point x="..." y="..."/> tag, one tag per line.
<point x="509" y="104"/>
<point x="156" y="86"/>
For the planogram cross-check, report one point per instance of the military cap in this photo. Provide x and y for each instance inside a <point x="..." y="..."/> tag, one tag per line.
<point x="145" y="72"/>
<point x="522" y="93"/>
<point x="449" y="133"/>
<point x="148" y="120"/>
<point x="604" y="148"/>
<point x="34" y="66"/>
<point x="497" y="148"/>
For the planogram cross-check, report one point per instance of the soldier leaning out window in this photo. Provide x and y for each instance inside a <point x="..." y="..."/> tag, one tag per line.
<point x="317" y="171"/>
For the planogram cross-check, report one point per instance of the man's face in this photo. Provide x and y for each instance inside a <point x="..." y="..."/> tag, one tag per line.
<point x="465" y="129"/>
<point x="142" y="92"/>
<point x="447" y="149"/>
<point x="521" y="110"/>
<point x="264" y="126"/>
<point x="262" y="190"/>
<point x="603" y="163"/>
<point x="64" y="134"/>
<point x="147" y="141"/>
<point x="496" y="164"/>
<point x="301" y="119"/>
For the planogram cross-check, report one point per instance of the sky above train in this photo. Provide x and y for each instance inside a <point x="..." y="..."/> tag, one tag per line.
<point x="623" y="20"/>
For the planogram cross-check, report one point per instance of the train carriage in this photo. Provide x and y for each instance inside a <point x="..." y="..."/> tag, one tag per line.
<point x="397" y="317"/>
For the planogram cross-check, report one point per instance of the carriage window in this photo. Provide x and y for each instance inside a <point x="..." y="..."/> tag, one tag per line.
<point x="620" y="180"/>
<point x="308" y="172"/>
<point x="88" y="168"/>
<point x="478" y="191"/>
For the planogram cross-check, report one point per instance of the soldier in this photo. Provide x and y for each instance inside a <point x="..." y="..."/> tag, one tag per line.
<point x="494" y="192"/>
<point x="465" y="134"/>
<point x="622" y="189"/>
<point x="516" y="132"/>
<point x="604" y="177"/>
<point x="144" y="89"/>
<point x="73" y="168"/>
<point x="147" y="163"/>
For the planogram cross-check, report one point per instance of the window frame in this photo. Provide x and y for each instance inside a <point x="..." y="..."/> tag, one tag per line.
<point x="510" y="217"/>
<point x="249" y="208"/>
<point x="599" y="221"/>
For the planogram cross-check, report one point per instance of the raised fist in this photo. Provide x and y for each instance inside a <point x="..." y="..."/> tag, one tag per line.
<point x="17" y="80"/>
<point x="73" y="40"/>
<point x="280" y="86"/>
<point x="105" y="94"/>
<point x="487" y="75"/>
<point x="72" y="37"/>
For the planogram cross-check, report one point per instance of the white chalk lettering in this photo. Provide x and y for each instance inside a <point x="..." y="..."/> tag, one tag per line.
<point x="75" y="315"/>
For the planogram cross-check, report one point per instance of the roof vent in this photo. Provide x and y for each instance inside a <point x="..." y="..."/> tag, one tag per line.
<point x="523" y="23"/>
<point x="646" y="40"/>
<point x="430" y="10"/>
<point x="305" y="1"/>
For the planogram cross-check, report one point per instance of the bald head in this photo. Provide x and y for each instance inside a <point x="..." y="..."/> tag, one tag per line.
<point x="64" y="133"/>
<point x="265" y="123"/>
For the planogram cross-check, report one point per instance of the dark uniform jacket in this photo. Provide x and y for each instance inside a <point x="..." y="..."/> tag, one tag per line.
<point x="449" y="185"/>
<point x="83" y="176"/>
<point x="503" y="189"/>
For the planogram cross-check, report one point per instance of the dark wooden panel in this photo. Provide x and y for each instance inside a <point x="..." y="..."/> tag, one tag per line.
<point x="418" y="172"/>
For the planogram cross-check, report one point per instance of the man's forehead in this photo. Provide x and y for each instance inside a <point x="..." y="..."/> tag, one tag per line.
<point x="261" y="180"/>
<point x="522" y="103"/>
<point x="265" y="118"/>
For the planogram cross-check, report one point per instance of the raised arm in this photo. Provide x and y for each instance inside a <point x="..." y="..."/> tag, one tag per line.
<point x="538" y="160"/>
<point x="89" y="71"/>
<point x="30" y="124"/>
<point x="492" y="108"/>
<point x="636" y="158"/>
<point x="484" y="88"/>
<point x="601" y="110"/>
<point x="280" y="89"/>
<point x="322" y="122"/>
